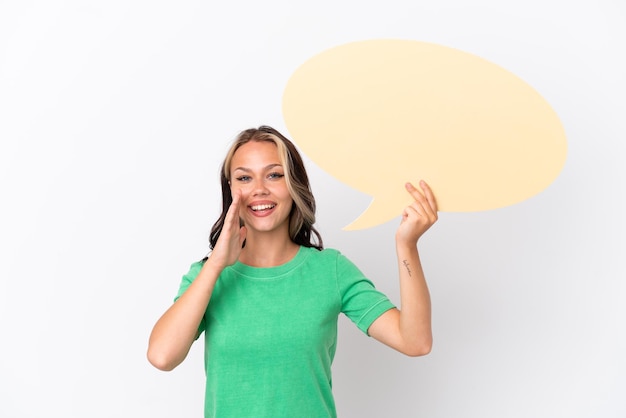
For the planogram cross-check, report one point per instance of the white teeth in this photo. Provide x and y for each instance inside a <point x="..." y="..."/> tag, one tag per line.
<point x="261" y="207"/>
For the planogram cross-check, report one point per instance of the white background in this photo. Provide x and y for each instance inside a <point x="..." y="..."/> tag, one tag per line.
<point x="114" y="117"/>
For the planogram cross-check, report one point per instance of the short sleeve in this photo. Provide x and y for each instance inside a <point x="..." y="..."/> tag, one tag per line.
<point x="360" y="301"/>
<point x="185" y="283"/>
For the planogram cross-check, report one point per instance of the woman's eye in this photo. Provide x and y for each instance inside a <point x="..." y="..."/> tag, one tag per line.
<point x="275" y="176"/>
<point x="243" y="178"/>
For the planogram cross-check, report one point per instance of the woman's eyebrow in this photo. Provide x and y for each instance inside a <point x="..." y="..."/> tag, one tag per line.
<point x="267" y="167"/>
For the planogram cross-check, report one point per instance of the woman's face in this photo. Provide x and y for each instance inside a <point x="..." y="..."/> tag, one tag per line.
<point x="256" y="171"/>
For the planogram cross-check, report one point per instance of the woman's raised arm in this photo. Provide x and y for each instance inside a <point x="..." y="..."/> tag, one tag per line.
<point x="177" y="329"/>
<point x="408" y="329"/>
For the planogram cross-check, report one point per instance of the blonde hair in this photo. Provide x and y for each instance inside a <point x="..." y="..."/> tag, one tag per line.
<point x="302" y="215"/>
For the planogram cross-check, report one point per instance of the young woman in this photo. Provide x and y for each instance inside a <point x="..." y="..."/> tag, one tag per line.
<point x="268" y="296"/>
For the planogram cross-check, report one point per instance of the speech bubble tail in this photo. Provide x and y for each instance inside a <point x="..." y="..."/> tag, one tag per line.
<point x="378" y="212"/>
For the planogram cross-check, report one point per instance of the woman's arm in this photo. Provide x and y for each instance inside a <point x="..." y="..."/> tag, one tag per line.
<point x="408" y="330"/>
<point x="176" y="330"/>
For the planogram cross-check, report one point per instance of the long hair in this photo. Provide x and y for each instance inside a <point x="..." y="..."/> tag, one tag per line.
<point x="302" y="215"/>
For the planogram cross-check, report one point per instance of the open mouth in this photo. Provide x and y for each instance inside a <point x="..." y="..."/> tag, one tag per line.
<point x="259" y="208"/>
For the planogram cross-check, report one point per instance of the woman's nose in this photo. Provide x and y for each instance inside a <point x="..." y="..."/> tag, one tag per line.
<point x="259" y="188"/>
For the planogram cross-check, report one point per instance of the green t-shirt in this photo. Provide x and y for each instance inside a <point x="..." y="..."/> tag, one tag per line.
<point x="271" y="334"/>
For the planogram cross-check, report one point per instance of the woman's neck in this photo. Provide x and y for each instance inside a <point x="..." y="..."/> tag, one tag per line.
<point x="268" y="251"/>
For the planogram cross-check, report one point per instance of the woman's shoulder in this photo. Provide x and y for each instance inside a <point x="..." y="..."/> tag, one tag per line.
<point x="195" y="268"/>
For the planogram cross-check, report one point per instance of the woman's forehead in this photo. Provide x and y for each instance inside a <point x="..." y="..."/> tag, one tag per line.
<point x="256" y="154"/>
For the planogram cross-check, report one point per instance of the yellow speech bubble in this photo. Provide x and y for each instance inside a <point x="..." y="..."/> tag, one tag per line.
<point x="376" y="114"/>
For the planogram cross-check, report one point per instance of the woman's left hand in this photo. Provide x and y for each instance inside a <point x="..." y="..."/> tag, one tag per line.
<point x="418" y="216"/>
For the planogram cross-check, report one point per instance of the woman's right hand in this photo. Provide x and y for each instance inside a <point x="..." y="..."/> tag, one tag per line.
<point x="228" y="246"/>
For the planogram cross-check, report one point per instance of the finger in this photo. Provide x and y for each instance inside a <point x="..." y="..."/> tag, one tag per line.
<point x="236" y="197"/>
<point x="413" y="210"/>
<point x="430" y="196"/>
<point x="426" y="199"/>
<point x="422" y="211"/>
<point x="233" y="209"/>
<point x="415" y="193"/>
<point x="420" y="199"/>
<point x="405" y="214"/>
<point x="417" y="223"/>
<point x="418" y="209"/>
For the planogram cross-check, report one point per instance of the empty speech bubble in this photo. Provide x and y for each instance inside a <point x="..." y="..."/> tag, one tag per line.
<point x="376" y="114"/>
